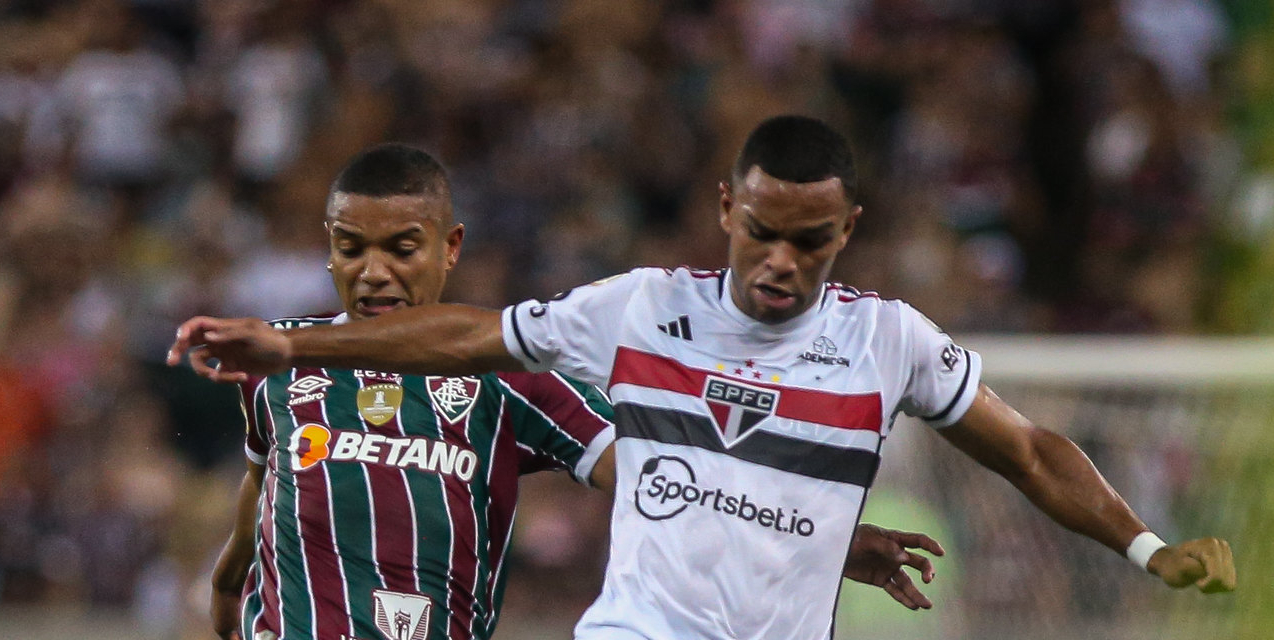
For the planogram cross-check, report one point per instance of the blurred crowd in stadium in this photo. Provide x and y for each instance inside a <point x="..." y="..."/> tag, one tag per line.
<point x="1030" y="166"/>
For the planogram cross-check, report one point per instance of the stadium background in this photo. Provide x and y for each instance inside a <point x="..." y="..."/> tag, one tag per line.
<point x="1030" y="167"/>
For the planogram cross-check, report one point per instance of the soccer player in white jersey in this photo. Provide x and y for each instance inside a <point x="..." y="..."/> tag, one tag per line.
<point x="751" y="404"/>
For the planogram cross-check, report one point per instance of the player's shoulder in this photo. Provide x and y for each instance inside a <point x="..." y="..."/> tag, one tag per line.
<point x="681" y="277"/>
<point x="300" y="322"/>
<point x="845" y="300"/>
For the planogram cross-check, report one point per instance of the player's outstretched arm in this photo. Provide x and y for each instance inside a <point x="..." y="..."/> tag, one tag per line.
<point x="603" y="476"/>
<point x="877" y="557"/>
<point x="443" y="339"/>
<point x="236" y="557"/>
<point x="1059" y="479"/>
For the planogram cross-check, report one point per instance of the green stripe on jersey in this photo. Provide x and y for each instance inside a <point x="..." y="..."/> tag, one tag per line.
<point x="352" y="509"/>
<point x="296" y="613"/>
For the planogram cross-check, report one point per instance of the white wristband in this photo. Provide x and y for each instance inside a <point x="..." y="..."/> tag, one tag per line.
<point x="1142" y="547"/>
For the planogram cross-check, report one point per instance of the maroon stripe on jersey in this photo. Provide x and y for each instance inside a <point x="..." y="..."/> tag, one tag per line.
<point x="269" y="618"/>
<point x="327" y="586"/>
<point x="502" y="486"/>
<point x="395" y="522"/>
<point x="560" y="402"/>
<point x="840" y="410"/>
<point x="462" y="586"/>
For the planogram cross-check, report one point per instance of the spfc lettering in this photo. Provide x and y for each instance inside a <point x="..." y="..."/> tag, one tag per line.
<point x="737" y="407"/>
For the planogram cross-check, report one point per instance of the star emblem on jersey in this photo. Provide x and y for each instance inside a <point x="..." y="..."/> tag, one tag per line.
<point x="452" y="398"/>
<point x="402" y="616"/>
<point x="736" y="407"/>
<point x="308" y="389"/>
<point x="379" y="403"/>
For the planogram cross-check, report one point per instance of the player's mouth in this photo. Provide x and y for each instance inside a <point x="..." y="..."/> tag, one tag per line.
<point x="376" y="305"/>
<point x="767" y="295"/>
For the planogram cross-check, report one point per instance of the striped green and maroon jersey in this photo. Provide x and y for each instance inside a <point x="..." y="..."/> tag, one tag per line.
<point x="389" y="499"/>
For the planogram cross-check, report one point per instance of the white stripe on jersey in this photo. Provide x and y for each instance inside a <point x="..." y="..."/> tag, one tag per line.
<point x="305" y="561"/>
<point x="331" y="521"/>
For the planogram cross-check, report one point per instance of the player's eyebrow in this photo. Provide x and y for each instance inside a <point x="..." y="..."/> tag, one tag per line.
<point x="341" y="229"/>
<point x="821" y="229"/>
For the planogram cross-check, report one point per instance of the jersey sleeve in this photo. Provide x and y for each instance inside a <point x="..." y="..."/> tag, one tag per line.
<point x="257" y="439"/>
<point x="944" y="376"/>
<point x="558" y="422"/>
<point x="575" y="332"/>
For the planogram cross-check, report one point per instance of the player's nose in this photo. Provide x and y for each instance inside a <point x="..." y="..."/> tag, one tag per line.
<point x="375" y="270"/>
<point x="781" y="259"/>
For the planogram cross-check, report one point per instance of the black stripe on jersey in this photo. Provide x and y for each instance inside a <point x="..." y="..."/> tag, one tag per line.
<point x="968" y="367"/>
<point x="802" y="457"/>
<point x="517" y="333"/>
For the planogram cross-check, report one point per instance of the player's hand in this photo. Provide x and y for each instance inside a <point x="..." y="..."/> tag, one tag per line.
<point x="877" y="557"/>
<point x="225" y="614"/>
<point x="241" y="345"/>
<point x="1205" y="563"/>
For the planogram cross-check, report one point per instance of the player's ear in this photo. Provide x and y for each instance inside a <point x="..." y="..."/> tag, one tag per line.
<point x="454" y="239"/>
<point x="850" y="221"/>
<point x="727" y="204"/>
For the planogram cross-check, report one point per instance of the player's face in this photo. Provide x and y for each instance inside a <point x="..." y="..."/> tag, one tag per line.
<point x="784" y="237"/>
<point x="390" y="252"/>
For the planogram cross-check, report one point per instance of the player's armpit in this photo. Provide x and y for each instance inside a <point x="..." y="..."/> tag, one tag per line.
<point x="1206" y="563"/>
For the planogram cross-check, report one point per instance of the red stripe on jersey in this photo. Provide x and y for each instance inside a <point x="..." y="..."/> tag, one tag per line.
<point x="840" y="410"/>
<point x="462" y="586"/>
<point x="322" y="564"/>
<point x="560" y="402"/>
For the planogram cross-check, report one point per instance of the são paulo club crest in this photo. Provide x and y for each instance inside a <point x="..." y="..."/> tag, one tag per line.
<point x="402" y="616"/>
<point x="453" y="398"/>
<point x="736" y="407"/>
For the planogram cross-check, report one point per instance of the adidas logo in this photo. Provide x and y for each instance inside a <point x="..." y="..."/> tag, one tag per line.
<point x="679" y="328"/>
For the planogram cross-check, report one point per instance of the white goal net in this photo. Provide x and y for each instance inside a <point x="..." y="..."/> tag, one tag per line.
<point x="1182" y="428"/>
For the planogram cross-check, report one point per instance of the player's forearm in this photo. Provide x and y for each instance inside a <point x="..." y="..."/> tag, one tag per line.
<point x="232" y="565"/>
<point x="443" y="339"/>
<point x="1063" y="483"/>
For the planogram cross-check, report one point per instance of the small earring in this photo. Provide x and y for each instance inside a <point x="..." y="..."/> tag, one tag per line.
<point x="329" y="267"/>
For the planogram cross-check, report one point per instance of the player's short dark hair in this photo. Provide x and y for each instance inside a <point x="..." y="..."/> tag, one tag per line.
<point x="392" y="169"/>
<point x="796" y="148"/>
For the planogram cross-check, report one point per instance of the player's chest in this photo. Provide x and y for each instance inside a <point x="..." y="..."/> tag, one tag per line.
<point x="377" y="402"/>
<point x="704" y="346"/>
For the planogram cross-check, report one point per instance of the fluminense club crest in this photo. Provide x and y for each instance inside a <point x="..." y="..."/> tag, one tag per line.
<point x="453" y="398"/>
<point x="736" y="407"/>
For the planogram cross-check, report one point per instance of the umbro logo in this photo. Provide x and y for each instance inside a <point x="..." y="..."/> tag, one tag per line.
<point x="308" y="389"/>
<point x="679" y="328"/>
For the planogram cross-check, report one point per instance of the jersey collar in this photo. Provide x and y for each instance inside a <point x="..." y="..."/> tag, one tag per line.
<point x="760" y="328"/>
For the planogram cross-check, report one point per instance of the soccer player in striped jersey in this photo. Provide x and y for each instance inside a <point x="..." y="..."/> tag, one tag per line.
<point x="748" y="437"/>
<point x="379" y="505"/>
<point x="387" y="500"/>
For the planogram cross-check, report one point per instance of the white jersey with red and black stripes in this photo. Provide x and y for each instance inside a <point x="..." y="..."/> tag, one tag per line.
<point x="745" y="450"/>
